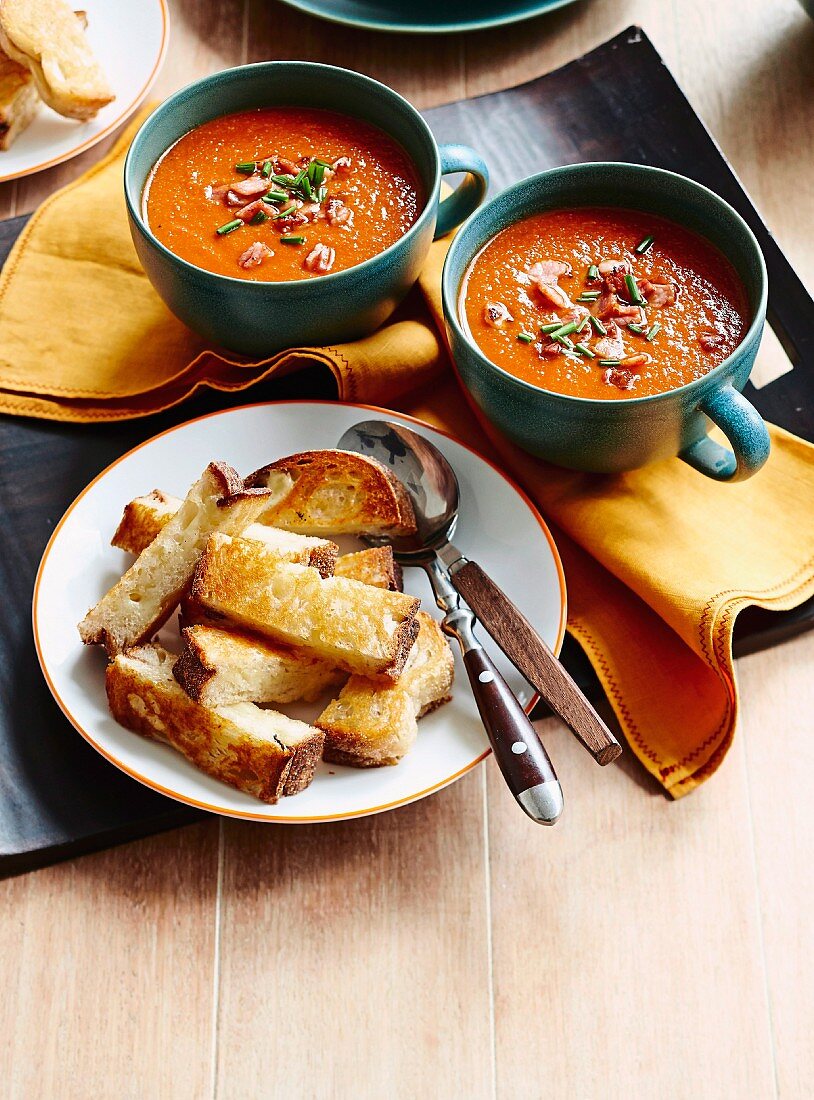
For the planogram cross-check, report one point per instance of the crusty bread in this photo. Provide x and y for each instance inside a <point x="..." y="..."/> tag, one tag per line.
<point x="352" y="625"/>
<point x="369" y="725"/>
<point x="18" y="100"/>
<point x="375" y="566"/>
<point x="143" y="599"/>
<point x="46" y="37"/>
<point x="261" y="752"/>
<point x="218" y="667"/>
<point x="338" y="492"/>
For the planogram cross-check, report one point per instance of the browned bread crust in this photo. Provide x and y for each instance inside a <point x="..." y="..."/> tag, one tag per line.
<point x="144" y="598"/>
<point x="339" y="492"/>
<point x="375" y="566"/>
<point x="256" y="751"/>
<point x="18" y="100"/>
<point x="352" y="625"/>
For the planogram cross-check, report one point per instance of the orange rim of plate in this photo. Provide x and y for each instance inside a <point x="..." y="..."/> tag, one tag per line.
<point x="246" y="814"/>
<point x="133" y="106"/>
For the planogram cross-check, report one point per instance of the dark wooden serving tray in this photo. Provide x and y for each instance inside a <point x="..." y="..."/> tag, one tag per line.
<point x="58" y="797"/>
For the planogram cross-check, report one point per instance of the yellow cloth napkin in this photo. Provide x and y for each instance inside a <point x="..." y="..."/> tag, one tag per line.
<point x="659" y="561"/>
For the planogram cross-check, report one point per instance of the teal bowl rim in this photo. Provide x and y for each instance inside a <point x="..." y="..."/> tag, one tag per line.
<point x="451" y="310"/>
<point x="293" y="287"/>
<point x="541" y="7"/>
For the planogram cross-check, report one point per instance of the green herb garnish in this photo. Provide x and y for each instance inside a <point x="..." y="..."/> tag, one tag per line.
<point x="265" y="171"/>
<point x="645" y="244"/>
<point x="633" y="291"/>
<point x="229" y="227"/>
<point x="525" y="337"/>
<point x="564" y="330"/>
<point x="292" y="209"/>
<point x="552" y="326"/>
<point x="566" y="343"/>
<point x="609" y="362"/>
<point x="292" y="240"/>
<point x="247" y="167"/>
<point x="275" y="196"/>
<point x="259" y="218"/>
<point x="588" y="296"/>
<point x="652" y="332"/>
<point x="593" y="273"/>
<point x="597" y="325"/>
<point x="323" y="194"/>
<point x="583" y="349"/>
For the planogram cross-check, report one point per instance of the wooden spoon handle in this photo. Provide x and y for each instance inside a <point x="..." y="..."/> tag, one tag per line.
<point x="518" y="750"/>
<point x="528" y="652"/>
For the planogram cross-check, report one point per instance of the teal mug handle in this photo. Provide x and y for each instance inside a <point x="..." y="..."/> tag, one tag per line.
<point x="467" y="197"/>
<point x="743" y="426"/>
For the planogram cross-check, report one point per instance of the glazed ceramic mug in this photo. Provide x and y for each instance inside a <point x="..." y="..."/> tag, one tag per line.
<point x="621" y="434"/>
<point x="259" y="318"/>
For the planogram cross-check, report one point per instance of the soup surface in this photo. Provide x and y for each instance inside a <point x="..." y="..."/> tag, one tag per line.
<point x="603" y="303"/>
<point x="282" y="193"/>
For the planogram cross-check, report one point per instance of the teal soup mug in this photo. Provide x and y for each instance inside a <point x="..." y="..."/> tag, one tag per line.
<point x="608" y="436"/>
<point x="258" y="318"/>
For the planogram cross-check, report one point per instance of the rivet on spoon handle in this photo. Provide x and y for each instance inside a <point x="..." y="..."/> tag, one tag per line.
<point x="528" y="652"/>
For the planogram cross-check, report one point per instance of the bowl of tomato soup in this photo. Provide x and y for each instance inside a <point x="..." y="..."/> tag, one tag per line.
<point x="604" y="315"/>
<point x="289" y="204"/>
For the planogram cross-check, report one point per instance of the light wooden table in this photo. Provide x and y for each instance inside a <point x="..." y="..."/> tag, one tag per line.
<point x="640" y="949"/>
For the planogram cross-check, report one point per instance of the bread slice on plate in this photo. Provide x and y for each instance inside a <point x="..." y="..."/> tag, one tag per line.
<point x="143" y="599"/>
<point x="46" y="37"/>
<point x="18" y="100"/>
<point x="369" y="724"/>
<point x="218" y="666"/>
<point x="261" y="752"/>
<point x="375" y="566"/>
<point x="356" y="627"/>
<point x="338" y="493"/>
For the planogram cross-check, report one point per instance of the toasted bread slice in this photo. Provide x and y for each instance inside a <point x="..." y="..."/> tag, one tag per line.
<point x="142" y="519"/>
<point x="375" y="566"/>
<point x="46" y="37"/>
<point x="352" y="625"/>
<point x="257" y="751"/>
<point x="138" y="604"/>
<point x="368" y="725"/>
<point x="218" y="667"/>
<point x="338" y="493"/>
<point x="18" y="100"/>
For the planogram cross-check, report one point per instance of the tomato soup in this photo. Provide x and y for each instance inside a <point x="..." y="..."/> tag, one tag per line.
<point x="603" y="303"/>
<point x="282" y="193"/>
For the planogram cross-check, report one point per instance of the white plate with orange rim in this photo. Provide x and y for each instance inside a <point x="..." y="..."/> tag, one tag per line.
<point x="498" y="527"/>
<point x="129" y="39"/>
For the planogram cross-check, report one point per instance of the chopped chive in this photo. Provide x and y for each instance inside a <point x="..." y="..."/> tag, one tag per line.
<point x="583" y="349"/>
<point x="321" y="162"/>
<point x="229" y="227"/>
<point x="283" y="211"/>
<point x="286" y="181"/>
<point x="259" y="218"/>
<point x="306" y="186"/>
<point x="275" y="196"/>
<point x="597" y="325"/>
<point x="641" y="329"/>
<point x="593" y="273"/>
<point x="525" y="337"/>
<point x="562" y="339"/>
<point x="645" y="244"/>
<point x="609" y="362"/>
<point x="300" y="176"/>
<point x="318" y="173"/>
<point x="265" y="171"/>
<point x="551" y="327"/>
<point x="564" y="330"/>
<point x="588" y="296"/>
<point x="633" y="291"/>
<point x="246" y="167"/>
<point x="323" y="194"/>
<point x="653" y="330"/>
<point x="292" y="240"/>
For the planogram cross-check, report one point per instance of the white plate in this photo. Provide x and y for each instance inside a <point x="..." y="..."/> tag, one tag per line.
<point x="498" y="527"/>
<point x="129" y="37"/>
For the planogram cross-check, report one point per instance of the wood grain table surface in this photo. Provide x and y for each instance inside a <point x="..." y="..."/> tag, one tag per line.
<point x="640" y="949"/>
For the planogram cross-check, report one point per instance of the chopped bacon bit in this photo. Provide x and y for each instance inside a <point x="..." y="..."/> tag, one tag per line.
<point x="320" y="259"/>
<point x="254" y="255"/>
<point x="710" y="340"/>
<point x="549" y="269"/>
<point x="613" y="267"/>
<point x="248" y="188"/>
<point x="338" y="213"/>
<point x="290" y="221"/>
<point x="552" y="350"/>
<point x="610" y="306"/>
<point x="311" y="211"/>
<point x="495" y="314"/>
<point x="622" y="379"/>
<point x="341" y="164"/>
<point x="640" y="359"/>
<point x="553" y="293"/>
<point x="248" y="212"/>
<point x="284" y="167"/>
<point x="611" y="346"/>
<point x="658" y="295"/>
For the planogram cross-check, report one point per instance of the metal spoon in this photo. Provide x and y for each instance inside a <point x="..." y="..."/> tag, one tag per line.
<point x="433" y="488"/>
